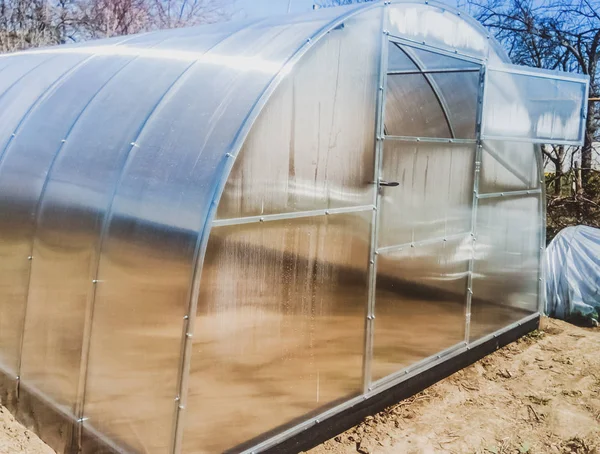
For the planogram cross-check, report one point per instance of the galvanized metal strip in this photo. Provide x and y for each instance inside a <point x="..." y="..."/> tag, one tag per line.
<point x="418" y="244"/>
<point x="430" y="139"/>
<point x="542" y="214"/>
<point x="434" y="71"/>
<point x="290" y="215"/>
<point x="375" y="219"/>
<point x="494" y="195"/>
<point x="475" y="202"/>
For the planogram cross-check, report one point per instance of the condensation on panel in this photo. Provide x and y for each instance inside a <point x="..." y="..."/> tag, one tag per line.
<point x="280" y="326"/>
<point x="508" y="166"/>
<point x="506" y="266"/>
<point x="438" y="27"/>
<point x="434" y="195"/>
<point x="420" y="303"/>
<point x="533" y="106"/>
<point x="460" y="92"/>
<point x="412" y="108"/>
<point x="313" y="145"/>
<point x="16" y="101"/>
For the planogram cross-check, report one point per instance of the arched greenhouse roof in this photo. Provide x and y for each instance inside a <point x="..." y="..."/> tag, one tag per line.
<point x="114" y="158"/>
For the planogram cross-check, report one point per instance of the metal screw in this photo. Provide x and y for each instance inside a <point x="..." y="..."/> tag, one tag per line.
<point x="177" y="399"/>
<point x="95" y="281"/>
<point x="30" y="257"/>
<point x="229" y="155"/>
<point x="63" y="141"/>
<point x="262" y="219"/>
<point x="186" y="317"/>
<point x="317" y="421"/>
<point x="372" y="262"/>
<point x="182" y="407"/>
<point x="188" y="335"/>
<point x="326" y="211"/>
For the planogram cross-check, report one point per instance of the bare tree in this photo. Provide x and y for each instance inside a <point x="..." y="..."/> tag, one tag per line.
<point x="32" y="23"/>
<point x="552" y="34"/>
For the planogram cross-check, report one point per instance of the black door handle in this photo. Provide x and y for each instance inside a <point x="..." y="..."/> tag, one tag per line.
<point x="389" y="184"/>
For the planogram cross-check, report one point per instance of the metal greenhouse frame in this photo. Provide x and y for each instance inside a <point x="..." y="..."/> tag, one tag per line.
<point x="244" y="237"/>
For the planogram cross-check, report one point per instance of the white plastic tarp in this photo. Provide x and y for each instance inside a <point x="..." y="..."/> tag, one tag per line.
<point x="573" y="274"/>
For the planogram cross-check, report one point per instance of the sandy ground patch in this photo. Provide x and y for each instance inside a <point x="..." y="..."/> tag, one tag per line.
<point x="14" y="438"/>
<point x="540" y="394"/>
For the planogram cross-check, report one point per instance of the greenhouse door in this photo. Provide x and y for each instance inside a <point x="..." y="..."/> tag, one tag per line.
<point x="425" y="207"/>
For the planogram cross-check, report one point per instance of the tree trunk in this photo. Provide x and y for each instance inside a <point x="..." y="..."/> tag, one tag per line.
<point x="558" y="170"/>
<point x="586" y="150"/>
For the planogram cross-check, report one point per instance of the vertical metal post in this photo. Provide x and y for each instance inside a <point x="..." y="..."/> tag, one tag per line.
<point x="475" y="204"/>
<point x="542" y="220"/>
<point x="379" y="139"/>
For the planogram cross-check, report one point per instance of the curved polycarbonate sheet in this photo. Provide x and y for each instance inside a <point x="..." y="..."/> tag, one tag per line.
<point x="507" y="262"/>
<point x="160" y="207"/>
<point x="508" y="166"/>
<point x="460" y="93"/>
<point x="433" y="199"/>
<point x="23" y="173"/>
<point x="437" y="26"/>
<point x="16" y="105"/>
<point x="420" y="303"/>
<point x="534" y="105"/>
<point x="413" y="109"/>
<point x="312" y="147"/>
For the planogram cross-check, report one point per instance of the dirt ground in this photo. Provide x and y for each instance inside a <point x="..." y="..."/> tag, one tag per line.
<point x="538" y="395"/>
<point x="14" y="438"/>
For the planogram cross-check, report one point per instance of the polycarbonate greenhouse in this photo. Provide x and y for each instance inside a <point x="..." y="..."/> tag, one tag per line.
<point x="244" y="236"/>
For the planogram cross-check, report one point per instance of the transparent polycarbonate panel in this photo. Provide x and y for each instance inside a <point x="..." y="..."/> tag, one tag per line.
<point x="420" y="303"/>
<point x="412" y="108"/>
<point x="460" y="92"/>
<point x="74" y="187"/>
<point x="506" y="267"/>
<point x="313" y="144"/>
<point x="434" y="195"/>
<point x="17" y="67"/>
<point x="439" y="27"/>
<point x="534" y="105"/>
<point x="159" y="210"/>
<point x="19" y="97"/>
<point x="285" y="341"/>
<point x="398" y="60"/>
<point x="429" y="61"/>
<point x="16" y="104"/>
<point x="508" y="166"/>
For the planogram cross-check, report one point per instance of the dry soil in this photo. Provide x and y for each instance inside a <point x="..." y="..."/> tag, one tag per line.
<point x="538" y="395"/>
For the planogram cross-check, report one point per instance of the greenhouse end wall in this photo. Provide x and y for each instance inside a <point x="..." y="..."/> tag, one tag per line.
<point x="214" y="239"/>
